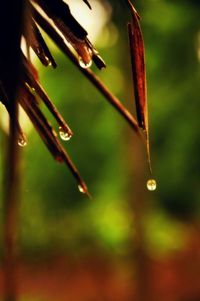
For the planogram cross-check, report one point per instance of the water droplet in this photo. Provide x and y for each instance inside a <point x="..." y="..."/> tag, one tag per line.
<point x="64" y="135"/>
<point x="30" y="88"/>
<point x="48" y="61"/>
<point x="151" y="184"/>
<point x="82" y="188"/>
<point x="22" y="141"/>
<point x="83" y="64"/>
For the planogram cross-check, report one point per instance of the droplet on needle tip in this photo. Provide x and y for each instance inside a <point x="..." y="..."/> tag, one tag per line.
<point x="83" y="64"/>
<point x="151" y="184"/>
<point x="22" y="141"/>
<point x="64" y="135"/>
<point x="82" y="188"/>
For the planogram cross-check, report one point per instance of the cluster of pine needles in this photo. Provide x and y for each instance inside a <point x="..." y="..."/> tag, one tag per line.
<point x="19" y="80"/>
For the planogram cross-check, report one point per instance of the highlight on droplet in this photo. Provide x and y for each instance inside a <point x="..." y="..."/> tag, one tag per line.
<point x="22" y="141"/>
<point x="82" y="188"/>
<point x="49" y="63"/>
<point x="151" y="185"/>
<point x="83" y="64"/>
<point x="30" y="88"/>
<point x="64" y="135"/>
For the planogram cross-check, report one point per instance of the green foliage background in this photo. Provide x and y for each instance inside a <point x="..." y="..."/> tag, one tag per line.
<point x="55" y="217"/>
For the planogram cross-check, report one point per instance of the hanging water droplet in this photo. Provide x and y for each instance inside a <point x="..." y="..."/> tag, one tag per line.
<point x="64" y="135"/>
<point x="82" y="188"/>
<point x="22" y="141"/>
<point x="151" y="184"/>
<point x="83" y="64"/>
<point x="49" y="63"/>
<point x="30" y="88"/>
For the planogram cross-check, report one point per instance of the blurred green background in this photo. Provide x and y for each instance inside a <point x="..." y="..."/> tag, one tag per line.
<point x="56" y="220"/>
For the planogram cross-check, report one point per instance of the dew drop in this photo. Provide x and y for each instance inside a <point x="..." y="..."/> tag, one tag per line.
<point x="83" y="65"/>
<point x="48" y="61"/>
<point x="81" y="188"/>
<point x="30" y="88"/>
<point x="64" y="135"/>
<point x="22" y="141"/>
<point x="151" y="184"/>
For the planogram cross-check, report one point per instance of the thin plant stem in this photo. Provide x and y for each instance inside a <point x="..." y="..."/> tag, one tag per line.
<point x="11" y="209"/>
<point x="11" y="22"/>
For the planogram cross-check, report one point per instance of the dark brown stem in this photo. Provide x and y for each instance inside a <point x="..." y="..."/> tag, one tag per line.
<point x="11" y="19"/>
<point x="11" y="208"/>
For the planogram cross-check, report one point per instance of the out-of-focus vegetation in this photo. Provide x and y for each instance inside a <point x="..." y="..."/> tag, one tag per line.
<point x="55" y="217"/>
